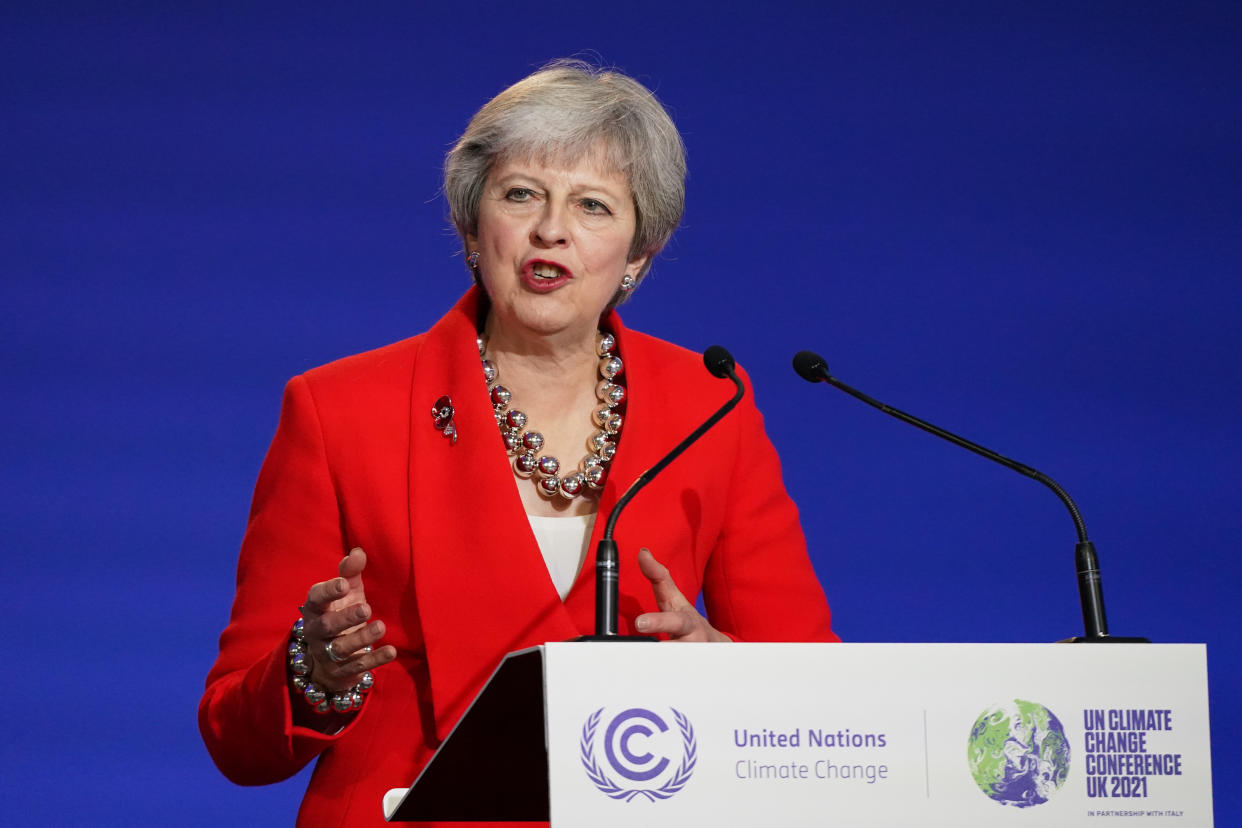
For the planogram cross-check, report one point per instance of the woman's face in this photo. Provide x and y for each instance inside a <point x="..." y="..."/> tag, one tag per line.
<point x="553" y="245"/>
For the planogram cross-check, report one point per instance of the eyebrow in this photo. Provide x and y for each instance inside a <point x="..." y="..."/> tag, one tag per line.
<point x="593" y="185"/>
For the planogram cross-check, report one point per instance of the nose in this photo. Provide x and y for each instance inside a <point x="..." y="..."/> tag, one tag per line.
<point x="550" y="229"/>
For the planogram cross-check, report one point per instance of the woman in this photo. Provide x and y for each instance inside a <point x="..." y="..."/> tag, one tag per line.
<point x="477" y="539"/>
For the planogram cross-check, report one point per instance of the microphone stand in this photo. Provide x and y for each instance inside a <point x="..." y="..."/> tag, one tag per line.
<point x="813" y="368"/>
<point x="607" y="575"/>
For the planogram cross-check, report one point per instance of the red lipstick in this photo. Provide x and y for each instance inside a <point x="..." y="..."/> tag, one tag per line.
<point x="537" y="275"/>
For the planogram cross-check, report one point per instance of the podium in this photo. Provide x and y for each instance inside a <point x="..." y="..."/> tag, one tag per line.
<point x="623" y="734"/>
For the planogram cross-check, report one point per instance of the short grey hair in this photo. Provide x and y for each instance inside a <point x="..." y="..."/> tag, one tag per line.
<point x="561" y="114"/>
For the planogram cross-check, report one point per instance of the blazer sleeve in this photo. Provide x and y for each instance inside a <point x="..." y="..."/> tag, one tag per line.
<point x="293" y="539"/>
<point x="759" y="584"/>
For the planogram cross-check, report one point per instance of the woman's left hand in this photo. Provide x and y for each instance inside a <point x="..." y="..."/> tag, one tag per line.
<point x="677" y="617"/>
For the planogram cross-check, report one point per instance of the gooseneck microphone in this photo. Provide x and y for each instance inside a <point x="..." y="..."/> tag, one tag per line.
<point x="720" y="363"/>
<point x="813" y="368"/>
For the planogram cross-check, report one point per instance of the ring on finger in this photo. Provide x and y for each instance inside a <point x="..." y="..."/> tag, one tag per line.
<point x="332" y="655"/>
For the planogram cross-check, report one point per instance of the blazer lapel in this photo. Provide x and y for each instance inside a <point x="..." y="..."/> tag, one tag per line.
<point x="479" y="578"/>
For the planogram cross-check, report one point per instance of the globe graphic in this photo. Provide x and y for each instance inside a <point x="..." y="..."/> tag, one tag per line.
<point x="1018" y="753"/>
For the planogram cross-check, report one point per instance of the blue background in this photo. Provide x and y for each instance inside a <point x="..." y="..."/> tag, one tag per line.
<point x="1018" y="220"/>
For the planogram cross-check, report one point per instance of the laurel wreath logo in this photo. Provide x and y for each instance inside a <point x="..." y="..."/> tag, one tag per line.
<point x="602" y="781"/>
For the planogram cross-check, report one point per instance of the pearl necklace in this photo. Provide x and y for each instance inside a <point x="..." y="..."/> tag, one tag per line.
<point x="524" y="443"/>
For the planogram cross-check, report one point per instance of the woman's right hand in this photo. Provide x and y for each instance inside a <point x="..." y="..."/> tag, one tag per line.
<point x="336" y="612"/>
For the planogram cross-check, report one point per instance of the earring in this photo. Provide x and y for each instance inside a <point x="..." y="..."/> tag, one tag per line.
<point x="628" y="283"/>
<point x="472" y="260"/>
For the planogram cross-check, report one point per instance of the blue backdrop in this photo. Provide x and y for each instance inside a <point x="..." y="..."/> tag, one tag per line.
<point x="1020" y="221"/>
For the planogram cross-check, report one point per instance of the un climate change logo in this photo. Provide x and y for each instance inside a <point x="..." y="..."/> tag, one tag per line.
<point x="1018" y="753"/>
<point x="640" y="748"/>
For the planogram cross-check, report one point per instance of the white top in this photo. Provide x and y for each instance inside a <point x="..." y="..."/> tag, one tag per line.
<point x="563" y="542"/>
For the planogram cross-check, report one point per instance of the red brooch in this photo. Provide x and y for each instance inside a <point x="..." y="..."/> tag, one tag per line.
<point x="442" y="415"/>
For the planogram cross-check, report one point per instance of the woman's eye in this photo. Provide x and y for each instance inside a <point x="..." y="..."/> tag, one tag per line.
<point x="592" y="205"/>
<point x="518" y="194"/>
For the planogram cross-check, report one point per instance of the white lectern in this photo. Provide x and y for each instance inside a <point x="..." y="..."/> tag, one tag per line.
<point x="623" y="734"/>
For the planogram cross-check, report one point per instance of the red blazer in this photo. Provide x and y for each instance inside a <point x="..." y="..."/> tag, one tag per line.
<point x="453" y="568"/>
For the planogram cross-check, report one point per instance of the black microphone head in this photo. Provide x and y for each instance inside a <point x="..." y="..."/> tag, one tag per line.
<point x="810" y="366"/>
<point x="718" y="360"/>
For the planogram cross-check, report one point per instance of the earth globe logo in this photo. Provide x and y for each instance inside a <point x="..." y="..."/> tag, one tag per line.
<point x="1018" y="753"/>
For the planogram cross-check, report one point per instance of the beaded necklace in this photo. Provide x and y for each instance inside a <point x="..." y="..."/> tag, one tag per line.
<point x="524" y="444"/>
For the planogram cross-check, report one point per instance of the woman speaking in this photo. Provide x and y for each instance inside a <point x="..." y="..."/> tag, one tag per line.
<point x="429" y="506"/>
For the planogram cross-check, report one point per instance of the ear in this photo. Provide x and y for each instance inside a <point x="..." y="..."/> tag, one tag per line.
<point x="635" y="266"/>
<point x="472" y="242"/>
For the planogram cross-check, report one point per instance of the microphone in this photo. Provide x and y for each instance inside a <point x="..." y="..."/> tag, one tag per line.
<point x="814" y="368"/>
<point x="811" y="366"/>
<point x="719" y="362"/>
